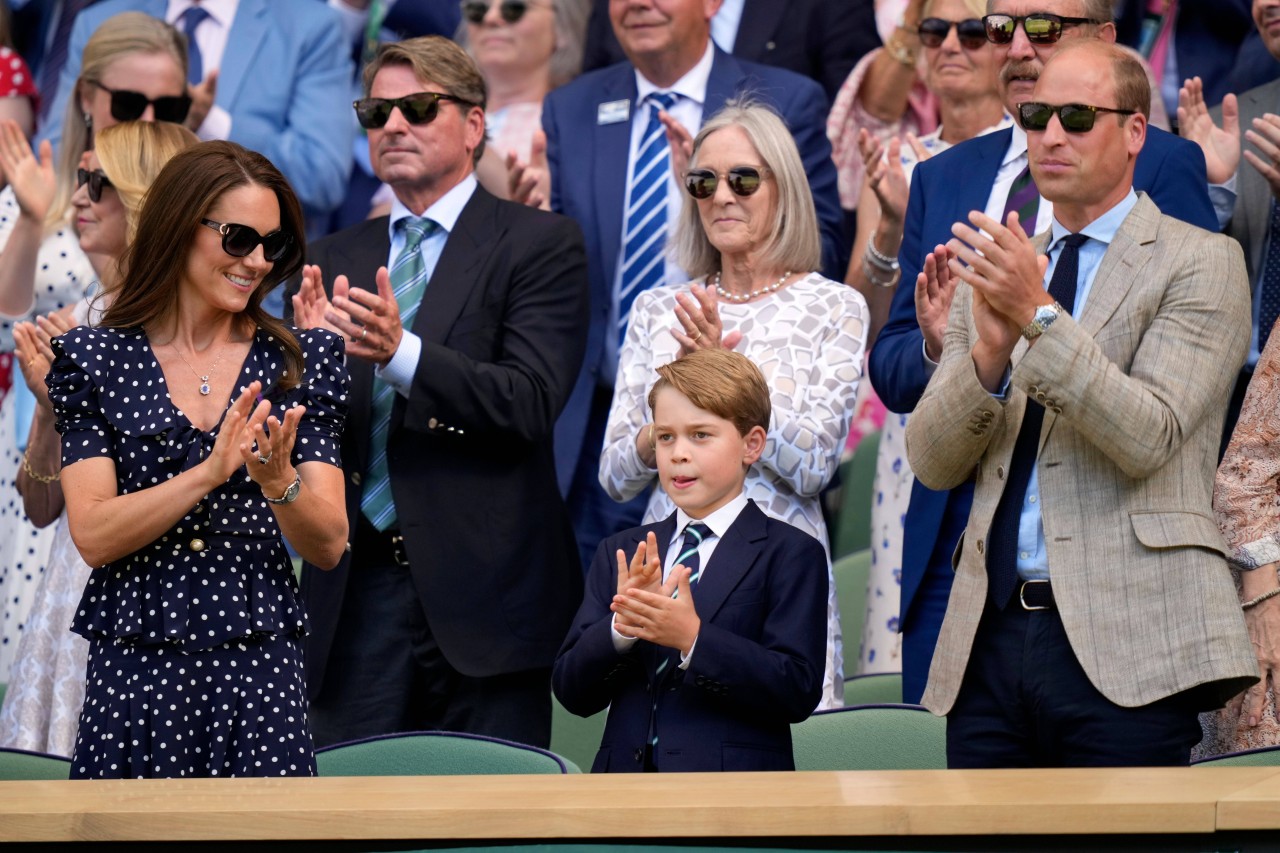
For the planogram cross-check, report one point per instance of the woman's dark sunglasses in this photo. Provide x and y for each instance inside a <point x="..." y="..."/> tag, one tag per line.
<point x="97" y="181"/>
<point x="742" y="180"/>
<point x="239" y="241"/>
<point x="510" y="10"/>
<point x="129" y="106"/>
<point x="971" y="32"/>
<point x="418" y="108"/>
<point x="1075" y="118"/>
<point x="1040" y="27"/>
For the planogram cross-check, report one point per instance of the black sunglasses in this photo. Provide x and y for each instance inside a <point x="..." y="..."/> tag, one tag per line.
<point x="129" y="106"/>
<point x="971" y="32"/>
<point x="1075" y="118"/>
<point x="97" y="181"/>
<point x="418" y="108"/>
<point x="742" y="180"/>
<point x="239" y="241"/>
<point x="510" y="10"/>
<point x="1040" y="27"/>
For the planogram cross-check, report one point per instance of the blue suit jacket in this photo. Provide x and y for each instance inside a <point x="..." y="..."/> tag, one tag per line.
<point x="588" y="162"/>
<point x="756" y="668"/>
<point x="943" y="191"/>
<point x="285" y="78"/>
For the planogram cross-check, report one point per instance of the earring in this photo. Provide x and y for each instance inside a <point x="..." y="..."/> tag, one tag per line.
<point x="88" y="120"/>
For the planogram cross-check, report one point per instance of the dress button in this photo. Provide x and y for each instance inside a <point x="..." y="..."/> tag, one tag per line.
<point x="196" y="545"/>
<point x="355" y="478"/>
<point x="199" y="509"/>
<point x="432" y="423"/>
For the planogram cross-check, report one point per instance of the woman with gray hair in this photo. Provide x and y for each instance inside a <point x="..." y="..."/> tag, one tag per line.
<point x="748" y="236"/>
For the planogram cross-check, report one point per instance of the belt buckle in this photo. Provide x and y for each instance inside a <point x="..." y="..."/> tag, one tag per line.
<point x="398" y="552"/>
<point x="1022" y="588"/>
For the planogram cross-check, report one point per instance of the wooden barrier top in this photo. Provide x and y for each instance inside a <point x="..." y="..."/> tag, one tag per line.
<point x="711" y="805"/>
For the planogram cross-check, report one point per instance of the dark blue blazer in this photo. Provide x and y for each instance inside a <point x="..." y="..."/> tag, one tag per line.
<point x="756" y="669"/>
<point x="1208" y="37"/>
<point x="944" y="189"/>
<point x="588" y="163"/>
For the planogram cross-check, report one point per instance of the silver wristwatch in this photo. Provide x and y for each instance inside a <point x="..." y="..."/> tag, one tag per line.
<point x="290" y="494"/>
<point x="1044" y="317"/>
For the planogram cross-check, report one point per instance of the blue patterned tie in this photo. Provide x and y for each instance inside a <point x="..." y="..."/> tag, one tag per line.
<point x="645" y="235"/>
<point x="694" y="534"/>
<point x="408" y="280"/>
<point x="1269" y="302"/>
<point x="1002" y="545"/>
<point x="191" y="19"/>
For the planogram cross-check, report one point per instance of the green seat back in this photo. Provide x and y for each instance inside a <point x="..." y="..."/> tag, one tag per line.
<point x="852" y="573"/>
<point x="576" y="738"/>
<point x="1265" y="757"/>
<point x="857" y="491"/>
<point x="878" y="688"/>
<point x="871" y="737"/>
<point x="18" y="765"/>
<point x="437" y="754"/>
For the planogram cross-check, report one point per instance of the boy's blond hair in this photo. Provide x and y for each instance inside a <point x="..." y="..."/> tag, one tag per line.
<point x="723" y="382"/>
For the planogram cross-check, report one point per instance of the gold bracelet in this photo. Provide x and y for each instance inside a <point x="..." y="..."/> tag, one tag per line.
<point x="901" y="52"/>
<point x="39" y="478"/>
<point x="1254" y="602"/>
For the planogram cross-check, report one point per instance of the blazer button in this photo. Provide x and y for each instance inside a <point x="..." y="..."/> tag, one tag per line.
<point x="196" y="545"/>
<point x="980" y="546"/>
<point x="1033" y="389"/>
<point x="1000" y="472"/>
<point x="355" y="478"/>
<point x="987" y="416"/>
<point x="638" y="755"/>
<point x="432" y="423"/>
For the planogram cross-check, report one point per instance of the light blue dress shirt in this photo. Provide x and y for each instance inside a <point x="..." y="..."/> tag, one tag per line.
<point x="1033" y="561"/>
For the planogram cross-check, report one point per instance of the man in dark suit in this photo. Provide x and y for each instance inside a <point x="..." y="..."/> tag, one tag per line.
<point x="595" y="128"/>
<point x="463" y="322"/>
<point x="821" y="39"/>
<point x="981" y="174"/>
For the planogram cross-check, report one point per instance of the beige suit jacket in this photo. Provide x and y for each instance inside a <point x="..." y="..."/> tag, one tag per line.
<point x="1135" y="395"/>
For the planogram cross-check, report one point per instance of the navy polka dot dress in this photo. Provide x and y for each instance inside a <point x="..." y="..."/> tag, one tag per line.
<point x="195" y="664"/>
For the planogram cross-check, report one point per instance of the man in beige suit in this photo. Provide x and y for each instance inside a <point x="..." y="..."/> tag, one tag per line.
<point x="1092" y="614"/>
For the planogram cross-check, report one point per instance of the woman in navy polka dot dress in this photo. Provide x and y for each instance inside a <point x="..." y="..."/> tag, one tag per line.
<point x="198" y="433"/>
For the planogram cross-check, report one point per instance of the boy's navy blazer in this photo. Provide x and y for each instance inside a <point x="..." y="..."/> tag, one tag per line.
<point x="757" y="666"/>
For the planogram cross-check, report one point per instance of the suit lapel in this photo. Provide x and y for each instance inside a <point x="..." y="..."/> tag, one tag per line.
<point x="248" y="28"/>
<point x="612" y="152"/>
<point x="722" y="84"/>
<point x="453" y="279"/>
<point x="734" y="556"/>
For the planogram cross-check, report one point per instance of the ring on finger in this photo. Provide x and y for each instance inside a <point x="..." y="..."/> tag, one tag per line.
<point x="697" y="334"/>
<point x="363" y="333"/>
<point x="264" y="459"/>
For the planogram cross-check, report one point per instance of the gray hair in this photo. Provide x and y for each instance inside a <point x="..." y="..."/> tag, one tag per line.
<point x="794" y="242"/>
<point x="1098" y="10"/>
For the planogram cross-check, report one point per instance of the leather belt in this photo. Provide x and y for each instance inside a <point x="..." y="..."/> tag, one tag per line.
<point x="1036" y="595"/>
<point x="380" y="547"/>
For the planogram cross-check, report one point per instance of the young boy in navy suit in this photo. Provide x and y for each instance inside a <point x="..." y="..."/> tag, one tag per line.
<point x="708" y="641"/>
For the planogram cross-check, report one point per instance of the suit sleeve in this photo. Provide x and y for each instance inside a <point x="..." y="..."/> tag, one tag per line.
<point x="897" y="365"/>
<point x="587" y="666"/>
<point x="552" y="131"/>
<point x="312" y="145"/>
<point x="779" y="675"/>
<point x="1180" y="187"/>
<point x="519" y="393"/>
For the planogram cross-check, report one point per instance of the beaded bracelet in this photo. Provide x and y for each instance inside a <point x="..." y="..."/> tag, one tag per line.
<point x="881" y="260"/>
<point x="39" y="478"/>
<point x="874" y="273"/>
<point x="1254" y="602"/>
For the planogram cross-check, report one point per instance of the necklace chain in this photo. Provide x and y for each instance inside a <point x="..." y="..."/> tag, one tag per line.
<point x="204" y="378"/>
<point x="747" y="297"/>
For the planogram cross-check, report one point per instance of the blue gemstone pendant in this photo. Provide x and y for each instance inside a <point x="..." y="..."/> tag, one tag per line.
<point x="204" y="385"/>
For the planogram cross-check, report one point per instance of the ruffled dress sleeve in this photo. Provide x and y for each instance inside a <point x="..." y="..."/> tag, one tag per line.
<point x="323" y="390"/>
<point x="73" y="391"/>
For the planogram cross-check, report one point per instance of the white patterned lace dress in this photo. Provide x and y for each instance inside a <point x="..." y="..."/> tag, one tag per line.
<point x="63" y="275"/>
<point x="807" y="339"/>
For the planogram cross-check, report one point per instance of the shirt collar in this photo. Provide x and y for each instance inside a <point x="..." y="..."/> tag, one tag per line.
<point x="692" y="86"/>
<point x="444" y="212"/>
<point x="719" y="521"/>
<point x="221" y="11"/>
<point x="1017" y="144"/>
<point x="1103" y="229"/>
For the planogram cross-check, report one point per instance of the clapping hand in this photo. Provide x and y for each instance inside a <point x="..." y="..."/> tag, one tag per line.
<point x="700" y="326"/>
<point x="32" y="179"/>
<point x="1221" y="145"/>
<point x="665" y="617"/>
<point x="33" y="348"/>
<point x="530" y="183"/>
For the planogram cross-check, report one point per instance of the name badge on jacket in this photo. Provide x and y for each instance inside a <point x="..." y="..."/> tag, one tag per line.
<point x="613" y="112"/>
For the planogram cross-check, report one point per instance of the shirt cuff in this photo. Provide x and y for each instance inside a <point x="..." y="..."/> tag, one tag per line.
<point x="1003" y="393"/>
<point x="216" y="125"/>
<point x="1223" y="197"/>
<point x="622" y="643"/>
<point x="929" y="364"/>
<point x="399" y="371"/>
<point x="684" y="659"/>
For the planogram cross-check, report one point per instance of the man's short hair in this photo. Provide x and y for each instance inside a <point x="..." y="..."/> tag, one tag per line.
<point x="723" y="382"/>
<point x="439" y="60"/>
<point x="1128" y="77"/>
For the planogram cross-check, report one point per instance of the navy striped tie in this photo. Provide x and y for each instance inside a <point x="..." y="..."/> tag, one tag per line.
<point x="408" y="281"/>
<point x="644" y="236"/>
<point x="694" y="534"/>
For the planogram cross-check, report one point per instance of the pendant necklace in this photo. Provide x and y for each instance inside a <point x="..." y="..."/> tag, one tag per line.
<point x="204" y="378"/>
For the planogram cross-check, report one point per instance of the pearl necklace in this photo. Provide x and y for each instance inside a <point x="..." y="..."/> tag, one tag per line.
<point x="747" y="297"/>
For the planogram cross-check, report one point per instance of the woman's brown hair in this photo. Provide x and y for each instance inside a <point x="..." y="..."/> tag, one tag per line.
<point x="180" y="197"/>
